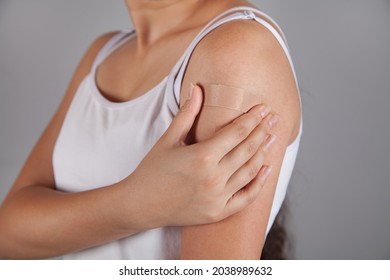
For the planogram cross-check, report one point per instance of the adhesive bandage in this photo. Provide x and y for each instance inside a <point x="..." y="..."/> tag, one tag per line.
<point x="229" y="97"/>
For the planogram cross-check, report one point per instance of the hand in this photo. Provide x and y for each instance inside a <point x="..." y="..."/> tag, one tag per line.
<point x="207" y="181"/>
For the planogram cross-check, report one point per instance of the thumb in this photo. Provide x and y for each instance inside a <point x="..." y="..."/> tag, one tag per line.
<point x="184" y="120"/>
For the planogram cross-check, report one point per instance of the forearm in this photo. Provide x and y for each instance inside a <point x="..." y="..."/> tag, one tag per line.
<point x="39" y="222"/>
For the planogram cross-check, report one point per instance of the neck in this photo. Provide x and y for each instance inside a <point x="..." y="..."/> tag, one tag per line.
<point x="153" y="19"/>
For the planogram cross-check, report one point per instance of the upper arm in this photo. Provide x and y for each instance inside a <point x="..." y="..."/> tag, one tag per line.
<point x="242" y="54"/>
<point x="38" y="169"/>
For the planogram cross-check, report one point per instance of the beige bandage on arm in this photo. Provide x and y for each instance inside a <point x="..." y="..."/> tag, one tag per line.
<point x="229" y="97"/>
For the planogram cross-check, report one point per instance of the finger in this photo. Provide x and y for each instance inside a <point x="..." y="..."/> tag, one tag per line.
<point x="232" y="161"/>
<point x="184" y="120"/>
<point x="249" y="193"/>
<point x="234" y="133"/>
<point x="246" y="173"/>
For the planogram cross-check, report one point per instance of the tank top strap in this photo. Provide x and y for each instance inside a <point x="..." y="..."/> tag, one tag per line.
<point x="242" y="12"/>
<point x="112" y="44"/>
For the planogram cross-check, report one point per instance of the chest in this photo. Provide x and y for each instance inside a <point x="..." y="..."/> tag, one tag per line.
<point x="101" y="143"/>
<point x="128" y="73"/>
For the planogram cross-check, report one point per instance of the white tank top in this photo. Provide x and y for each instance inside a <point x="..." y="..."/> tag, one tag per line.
<point x="102" y="142"/>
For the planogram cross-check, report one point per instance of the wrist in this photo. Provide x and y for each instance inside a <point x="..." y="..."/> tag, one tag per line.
<point x="137" y="212"/>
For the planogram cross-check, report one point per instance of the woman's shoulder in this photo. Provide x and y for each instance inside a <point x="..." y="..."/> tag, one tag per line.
<point x="238" y="43"/>
<point x="84" y="67"/>
<point x="238" y="31"/>
<point x="97" y="44"/>
<point x="242" y="53"/>
<point x="86" y="62"/>
<point x="246" y="54"/>
<point x="105" y="38"/>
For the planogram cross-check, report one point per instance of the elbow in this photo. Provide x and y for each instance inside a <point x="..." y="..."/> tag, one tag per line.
<point x="7" y="248"/>
<point x="8" y="244"/>
<point x="12" y="245"/>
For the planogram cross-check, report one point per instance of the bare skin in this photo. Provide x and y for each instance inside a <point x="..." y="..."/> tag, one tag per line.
<point x="37" y="221"/>
<point x="242" y="54"/>
<point x="258" y="64"/>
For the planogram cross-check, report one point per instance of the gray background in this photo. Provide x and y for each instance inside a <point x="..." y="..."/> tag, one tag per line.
<point x="339" y="195"/>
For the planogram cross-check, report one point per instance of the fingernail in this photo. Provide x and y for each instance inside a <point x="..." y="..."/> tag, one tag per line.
<point x="269" y="141"/>
<point x="264" y="111"/>
<point x="192" y="86"/>
<point x="265" y="171"/>
<point x="273" y="120"/>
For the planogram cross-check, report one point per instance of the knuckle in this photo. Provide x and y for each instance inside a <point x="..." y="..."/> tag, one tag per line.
<point x="250" y="197"/>
<point x="204" y="158"/>
<point x="212" y="181"/>
<point x="253" y="171"/>
<point x="185" y="108"/>
<point x="252" y="147"/>
<point x="254" y="119"/>
<point x="214" y="216"/>
<point x="241" y="129"/>
<point x="262" y="151"/>
<point x="250" y="193"/>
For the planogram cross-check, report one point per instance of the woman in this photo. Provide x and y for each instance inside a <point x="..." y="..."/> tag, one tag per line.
<point x="121" y="100"/>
